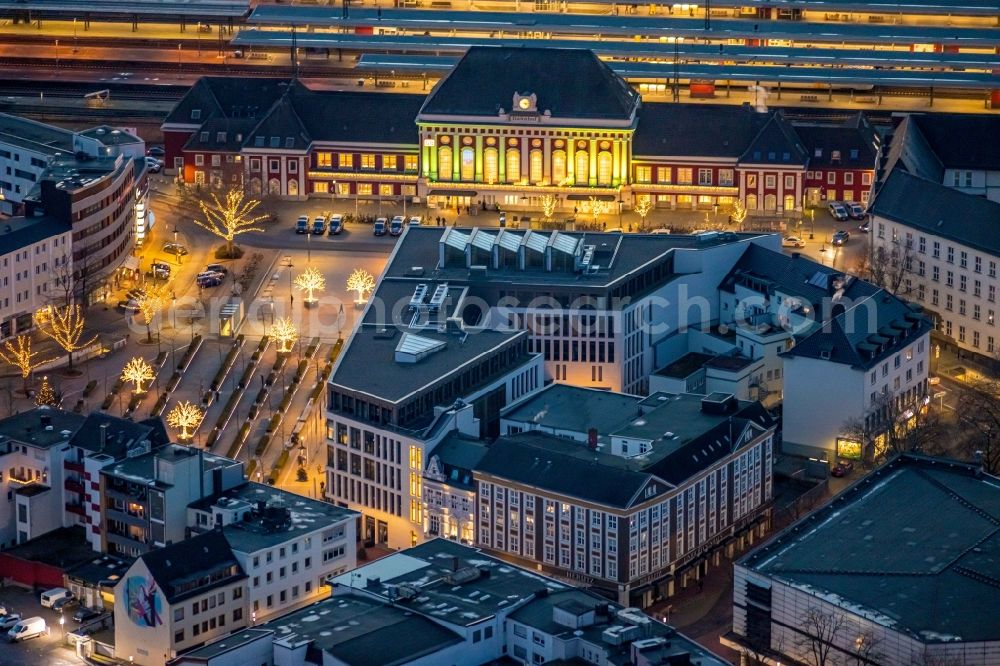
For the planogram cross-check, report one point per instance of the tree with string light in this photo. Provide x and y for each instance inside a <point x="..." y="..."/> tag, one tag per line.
<point x="150" y="303"/>
<point x="185" y="416"/>
<point x="597" y="207"/>
<point x="65" y="324"/>
<point x="361" y="282"/>
<point x="642" y="208"/>
<point x="548" y="206"/>
<point x="285" y="333"/>
<point x="137" y="371"/>
<point x="231" y="218"/>
<point x="310" y="282"/>
<point x="45" y="395"/>
<point x="18" y="353"/>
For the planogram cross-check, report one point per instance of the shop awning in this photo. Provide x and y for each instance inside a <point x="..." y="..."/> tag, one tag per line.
<point x="452" y="193"/>
<point x="131" y="263"/>
<point x="587" y="197"/>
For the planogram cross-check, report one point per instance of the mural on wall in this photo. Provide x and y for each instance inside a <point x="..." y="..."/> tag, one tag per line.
<point x="144" y="602"/>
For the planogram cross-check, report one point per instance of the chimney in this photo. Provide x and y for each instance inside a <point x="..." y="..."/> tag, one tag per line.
<point x="46" y="420"/>
<point x="592" y="439"/>
<point x="454" y="563"/>
<point x="104" y="436"/>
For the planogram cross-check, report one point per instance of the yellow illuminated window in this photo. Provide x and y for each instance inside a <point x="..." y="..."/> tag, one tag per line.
<point x="604" y="163"/>
<point x="389" y="162"/>
<point x="345" y="161"/>
<point x="385" y="189"/>
<point x="513" y="165"/>
<point x="321" y="187"/>
<point x="444" y="163"/>
<point x="365" y="189"/>
<point x="535" y="166"/>
<point x="410" y="162"/>
<point x="468" y="164"/>
<point x="367" y="161"/>
<point x="415" y="483"/>
<point x="324" y="160"/>
<point x="643" y="174"/>
<point x="558" y="166"/>
<point x="582" y="167"/>
<point x="416" y="458"/>
<point x="491" y="165"/>
<point x="416" y="511"/>
<point x="663" y="175"/>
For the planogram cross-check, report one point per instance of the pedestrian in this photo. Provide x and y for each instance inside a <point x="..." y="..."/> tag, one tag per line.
<point x="701" y="584"/>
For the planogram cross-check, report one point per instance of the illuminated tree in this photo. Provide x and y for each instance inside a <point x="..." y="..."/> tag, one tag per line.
<point x="231" y="218"/>
<point x="597" y="207"/>
<point x="137" y="371"/>
<point x="548" y="206"/>
<point x="310" y="281"/>
<point x="285" y="333"/>
<point x="19" y="354"/>
<point x="362" y="282"/>
<point x="185" y="416"/>
<point x="150" y="303"/>
<point x="642" y="208"/>
<point x="65" y="324"/>
<point x="739" y="212"/>
<point x="45" y="395"/>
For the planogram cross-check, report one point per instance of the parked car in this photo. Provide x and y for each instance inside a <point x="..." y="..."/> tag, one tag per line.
<point x="25" y="629"/>
<point x="302" y="224"/>
<point x="270" y="218"/>
<point x="160" y="270"/>
<point x="415" y="221"/>
<point x="8" y="621"/>
<point x="136" y="293"/>
<point x="128" y="305"/>
<point x="153" y="165"/>
<point x="217" y="268"/>
<point x="865" y="227"/>
<point x="65" y="603"/>
<point x="841" y="237"/>
<point x="175" y="249"/>
<point x="396" y="226"/>
<point x="855" y="210"/>
<point x="50" y="597"/>
<point x="84" y="614"/>
<point x="319" y="225"/>
<point x="380" y="226"/>
<point x="843" y="468"/>
<point x="156" y="151"/>
<point x="792" y="241"/>
<point x="336" y="224"/>
<point x="209" y="279"/>
<point x="838" y="211"/>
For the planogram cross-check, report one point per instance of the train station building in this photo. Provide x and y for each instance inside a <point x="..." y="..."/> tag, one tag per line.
<point x="516" y="129"/>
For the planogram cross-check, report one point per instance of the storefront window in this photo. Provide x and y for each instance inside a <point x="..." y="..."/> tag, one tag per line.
<point x="604" y="163"/>
<point x="513" y="165"/>
<point x="491" y="165"/>
<point x="849" y="449"/>
<point x="558" y="166"/>
<point x="444" y="163"/>
<point x="468" y="164"/>
<point x="582" y="167"/>
<point x="535" y="163"/>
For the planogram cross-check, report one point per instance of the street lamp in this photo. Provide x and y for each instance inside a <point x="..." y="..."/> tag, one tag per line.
<point x="62" y="624"/>
<point x="74" y="36"/>
<point x="198" y="27"/>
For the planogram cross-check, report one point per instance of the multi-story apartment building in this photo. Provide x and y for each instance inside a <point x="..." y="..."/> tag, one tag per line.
<point x="509" y="127"/>
<point x="631" y="496"/>
<point x="33" y="251"/>
<point x="144" y="499"/>
<point x="935" y="201"/>
<point x="287" y="544"/>
<point x="813" y="587"/>
<point x="442" y="603"/>
<point x="51" y="461"/>
<point x="449" y="492"/>
<point x="178" y="597"/>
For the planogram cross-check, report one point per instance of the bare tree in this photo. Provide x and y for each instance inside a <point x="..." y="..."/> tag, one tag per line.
<point x="979" y="405"/>
<point x="887" y="267"/>
<point x="865" y="649"/>
<point x="898" y="428"/>
<point x="820" y="631"/>
<point x="930" y="659"/>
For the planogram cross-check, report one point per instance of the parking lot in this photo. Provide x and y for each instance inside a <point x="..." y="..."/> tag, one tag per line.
<point x="47" y="650"/>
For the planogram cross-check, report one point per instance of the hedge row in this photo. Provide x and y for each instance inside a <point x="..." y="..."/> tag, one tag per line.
<point x="227" y="364"/>
<point x="189" y="354"/>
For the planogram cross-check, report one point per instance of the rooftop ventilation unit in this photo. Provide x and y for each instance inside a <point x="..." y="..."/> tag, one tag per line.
<point x="419" y="294"/>
<point x="437" y="298"/>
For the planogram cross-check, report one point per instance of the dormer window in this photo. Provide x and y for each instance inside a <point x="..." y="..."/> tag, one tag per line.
<point x="220" y="137"/>
<point x="818" y="152"/>
<point x="289" y="142"/>
<point x="195" y="114"/>
<point x="854" y="153"/>
<point x="204" y="137"/>
<point x="835" y="156"/>
<point x="276" y="142"/>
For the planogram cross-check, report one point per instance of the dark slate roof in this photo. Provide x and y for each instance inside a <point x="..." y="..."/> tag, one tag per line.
<point x="679" y="129"/>
<point x="27" y="426"/>
<point x="106" y="568"/>
<point x="459" y="456"/>
<point x="236" y="129"/>
<point x="358" y="116"/>
<point x="940" y="210"/>
<point x="776" y="143"/>
<point x="190" y="559"/>
<point x="856" y="146"/>
<point x="537" y="460"/>
<point x="913" y="545"/>
<point x="226" y="96"/>
<point x="908" y="149"/>
<point x="121" y="434"/>
<point x="570" y="83"/>
<point x="25" y="231"/>
<point x="963" y="140"/>
<point x="281" y="128"/>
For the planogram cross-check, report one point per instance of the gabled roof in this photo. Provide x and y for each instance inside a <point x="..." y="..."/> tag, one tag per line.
<point x="226" y="96"/>
<point x="853" y="146"/>
<point x="280" y="129"/>
<point x="121" y="435"/>
<point x="777" y="144"/>
<point x="234" y="131"/>
<point x="962" y="140"/>
<point x="184" y="562"/>
<point x="939" y="210"/>
<point x="352" y="116"/>
<point x="679" y="129"/>
<point x="909" y="150"/>
<point x="569" y="83"/>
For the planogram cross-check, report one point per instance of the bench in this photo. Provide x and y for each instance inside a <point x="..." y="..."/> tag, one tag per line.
<point x="809" y="98"/>
<point x="258" y="56"/>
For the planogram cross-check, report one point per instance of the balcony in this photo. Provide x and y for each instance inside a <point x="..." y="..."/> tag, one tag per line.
<point x="125" y="517"/>
<point x="78" y="509"/>
<point x="73" y="485"/>
<point x="73" y="466"/>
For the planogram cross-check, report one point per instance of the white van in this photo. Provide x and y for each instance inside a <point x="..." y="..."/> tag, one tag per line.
<point x="50" y="597"/>
<point x="25" y="629"/>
